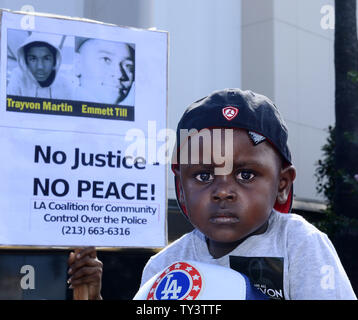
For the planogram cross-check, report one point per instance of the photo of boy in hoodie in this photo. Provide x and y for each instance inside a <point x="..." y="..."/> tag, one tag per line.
<point x="40" y="58"/>
<point x="38" y="74"/>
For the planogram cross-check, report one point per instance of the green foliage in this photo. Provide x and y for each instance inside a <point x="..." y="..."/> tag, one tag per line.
<point x="326" y="176"/>
<point x="353" y="75"/>
<point x="326" y="173"/>
<point x="333" y="224"/>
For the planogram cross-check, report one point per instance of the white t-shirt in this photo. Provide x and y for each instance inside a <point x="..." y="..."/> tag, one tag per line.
<point x="310" y="266"/>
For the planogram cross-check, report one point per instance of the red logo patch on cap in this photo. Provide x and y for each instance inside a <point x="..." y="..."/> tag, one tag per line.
<point x="230" y="112"/>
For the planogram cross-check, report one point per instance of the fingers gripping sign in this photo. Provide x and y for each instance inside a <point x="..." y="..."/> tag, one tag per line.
<point x="85" y="271"/>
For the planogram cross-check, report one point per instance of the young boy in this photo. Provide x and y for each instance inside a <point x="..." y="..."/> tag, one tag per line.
<point x="38" y="72"/>
<point x="105" y="70"/>
<point x="239" y="207"/>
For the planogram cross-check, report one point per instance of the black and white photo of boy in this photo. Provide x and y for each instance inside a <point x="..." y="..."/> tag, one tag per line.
<point x="105" y="71"/>
<point x="39" y="59"/>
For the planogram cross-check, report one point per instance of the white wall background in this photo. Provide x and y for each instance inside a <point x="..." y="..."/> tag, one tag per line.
<point x="205" y="51"/>
<point x="73" y="8"/>
<point x="288" y="56"/>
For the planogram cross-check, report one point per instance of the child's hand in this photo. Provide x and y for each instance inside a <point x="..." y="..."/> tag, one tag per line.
<point x="86" y="269"/>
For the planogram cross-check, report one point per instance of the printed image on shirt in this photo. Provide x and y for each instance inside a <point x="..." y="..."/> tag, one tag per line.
<point x="266" y="273"/>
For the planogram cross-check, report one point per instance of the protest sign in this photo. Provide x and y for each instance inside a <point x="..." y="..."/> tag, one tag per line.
<point x="79" y="103"/>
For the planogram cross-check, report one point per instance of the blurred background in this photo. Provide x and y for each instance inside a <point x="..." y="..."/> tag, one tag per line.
<point x="283" y="49"/>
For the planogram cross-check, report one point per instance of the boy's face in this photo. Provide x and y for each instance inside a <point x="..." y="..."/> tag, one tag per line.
<point x="107" y="69"/>
<point x="228" y="208"/>
<point x="40" y="62"/>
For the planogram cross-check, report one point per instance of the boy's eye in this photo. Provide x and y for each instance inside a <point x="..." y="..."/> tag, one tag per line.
<point x="204" y="177"/>
<point x="107" y="60"/>
<point x="48" y="58"/>
<point x="128" y="65"/>
<point x="245" y="175"/>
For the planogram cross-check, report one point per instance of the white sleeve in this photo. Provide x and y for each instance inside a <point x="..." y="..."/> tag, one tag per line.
<point x="314" y="269"/>
<point x="15" y="81"/>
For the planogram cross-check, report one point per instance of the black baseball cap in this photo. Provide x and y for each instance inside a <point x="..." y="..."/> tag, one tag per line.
<point x="235" y="108"/>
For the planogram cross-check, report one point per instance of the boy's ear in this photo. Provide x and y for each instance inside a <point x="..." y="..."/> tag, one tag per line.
<point x="287" y="176"/>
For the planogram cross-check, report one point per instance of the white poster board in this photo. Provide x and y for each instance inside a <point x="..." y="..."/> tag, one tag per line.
<point x="81" y="103"/>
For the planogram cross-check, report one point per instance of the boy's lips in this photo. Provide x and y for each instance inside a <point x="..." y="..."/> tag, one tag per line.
<point x="40" y="75"/>
<point x="224" y="217"/>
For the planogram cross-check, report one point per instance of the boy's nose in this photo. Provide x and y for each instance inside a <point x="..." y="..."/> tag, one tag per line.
<point x="224" y="192"/>
<point x="40" y="64"/>
<point x="123" y="73"/>
<point x="120" y="74"/>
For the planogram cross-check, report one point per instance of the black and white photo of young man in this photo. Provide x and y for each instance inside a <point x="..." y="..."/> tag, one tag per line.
<point x="37" y="74"/>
